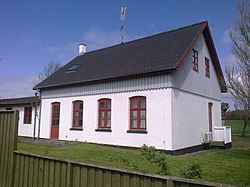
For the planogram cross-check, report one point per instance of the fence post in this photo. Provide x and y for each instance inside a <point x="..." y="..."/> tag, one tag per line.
<point x="8" y="144"/>
<point x="15" y="136"/>
<point x="170" y="182"/>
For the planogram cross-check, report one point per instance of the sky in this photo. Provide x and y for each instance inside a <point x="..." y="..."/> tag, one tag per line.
<point x="35" y="32"/>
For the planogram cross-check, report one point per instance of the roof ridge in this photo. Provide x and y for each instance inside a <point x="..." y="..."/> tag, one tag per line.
<point x="150" y="36"/>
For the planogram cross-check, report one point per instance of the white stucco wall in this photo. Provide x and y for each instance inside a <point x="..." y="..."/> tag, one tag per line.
<point x="158" y="116"/>
<point x="24" y="129"/>
<point x="196" y="82"/>
<point x="190" y="118"/>
<point x="191" y="93"/>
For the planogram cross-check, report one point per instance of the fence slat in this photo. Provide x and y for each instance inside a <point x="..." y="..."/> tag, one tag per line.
<point x="63" y="174"/>
<point x="51" y="173"/>
<point x="41" y="172"/>
<point x="46" y="173"/>
<point x="26" y="171"/>
<point x="84" y="176"/>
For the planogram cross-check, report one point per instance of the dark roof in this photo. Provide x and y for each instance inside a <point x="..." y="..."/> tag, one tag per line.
<point x="18" y="101"/>
<point x="154" y="54"/>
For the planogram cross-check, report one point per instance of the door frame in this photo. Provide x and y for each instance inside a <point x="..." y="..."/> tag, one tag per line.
<point x="210" y="116"/>
<point x="54" y="129"/>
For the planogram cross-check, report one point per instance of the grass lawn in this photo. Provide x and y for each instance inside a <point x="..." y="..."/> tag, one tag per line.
<point x="231" y="166"/>
<point x="237" y="126"/>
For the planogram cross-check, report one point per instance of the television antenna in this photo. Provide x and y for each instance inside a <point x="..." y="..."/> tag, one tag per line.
<point x="123" y="14"/>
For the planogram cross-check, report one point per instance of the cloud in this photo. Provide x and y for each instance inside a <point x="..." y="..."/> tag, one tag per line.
<point x="228" y="61"/>
<point x="93" y="38"/>
<point x="226" y="38"/>
<point x="96" y="38"/>
<point x="16" y="86"/>
<point x="30" y="38"/>
<point x="63" y="52"/>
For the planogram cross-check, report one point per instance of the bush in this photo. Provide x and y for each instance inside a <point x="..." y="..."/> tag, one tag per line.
<point x="235" y="115"/>
<point x="156" y="157"/>
<point x="193" y="171"/>
<point x="149" y="152"/>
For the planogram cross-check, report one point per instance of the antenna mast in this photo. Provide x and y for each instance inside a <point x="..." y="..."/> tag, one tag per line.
<point x="123" y="14"/>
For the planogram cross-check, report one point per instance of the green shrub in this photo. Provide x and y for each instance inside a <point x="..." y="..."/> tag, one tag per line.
<point x="193" y="171"/>
<point x="155" y="157"/>
<point x="149" y="152"/>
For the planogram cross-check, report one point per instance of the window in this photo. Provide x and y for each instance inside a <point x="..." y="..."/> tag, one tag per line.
<point x="207" y="67"/>
<point x="77" y="114"/>
<point x="27" y="115"/>
<point x="55" y="114"/>
<point x="195" y="60"/>
<point x="138" y="113"/>
<point x="74" y="67"/>
<point x="104" y="121"/>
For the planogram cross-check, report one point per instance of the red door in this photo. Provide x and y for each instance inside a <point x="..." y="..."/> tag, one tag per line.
<point x="210" y="116"/>
<point x="55" y="118"/>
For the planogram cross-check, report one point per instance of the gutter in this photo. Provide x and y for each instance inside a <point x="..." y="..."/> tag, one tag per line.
<point x="34" y="131"/>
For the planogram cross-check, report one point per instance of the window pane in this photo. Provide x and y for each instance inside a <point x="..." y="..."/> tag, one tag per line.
<point x="143" y="114"/>
<point x="75" y="122"/>
<point x="101" y="123"/>
<point x="108" y="104"/>
<point x="108" y="115"/>
<point x="81" y="105"/>
<point x="134" y="103"/>
<point x="76" y="106"/>
<point x="143" y="103"/>
<point x="101" y="115"/>
<point x="76" y="114"/>
<point x="134" y="114"/>
<point x="134" y="123"/>
<point x="102" y="105"/>
<point x="142" y="124"/>
<point x="55" y="122"/>
<point x="80" y="115"/>
<point x="80" y="122"/>
<point x="108" y="123"/>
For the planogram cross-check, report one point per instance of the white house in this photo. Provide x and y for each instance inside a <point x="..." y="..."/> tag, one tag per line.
<point x="28" y="108"/>
<point x="163" y="90"/>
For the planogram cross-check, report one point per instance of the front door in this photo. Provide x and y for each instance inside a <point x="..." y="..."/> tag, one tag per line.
<point x="55" y="119"/>
<point x="210" y="116"/>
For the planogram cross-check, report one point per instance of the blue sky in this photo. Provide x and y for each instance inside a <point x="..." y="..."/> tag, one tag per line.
<point x="35" y="32"/>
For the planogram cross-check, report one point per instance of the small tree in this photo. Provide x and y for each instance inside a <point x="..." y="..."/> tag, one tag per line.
<point x="224" y="109"/>
<point x="238" y="76"/>
<point x="50" y="68"/>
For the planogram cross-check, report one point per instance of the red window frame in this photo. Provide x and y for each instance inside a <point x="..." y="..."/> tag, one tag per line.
<point x="55" y="114"/>
<point x="77" y="121"/>
<point x="207" y="67"/>
<point x="138" y="113"/>
<point x="195" y="60"/>
<point x="27" y="115"/>
<point x="104" y="114"/>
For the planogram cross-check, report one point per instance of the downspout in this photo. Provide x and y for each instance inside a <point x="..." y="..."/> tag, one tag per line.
<point x="40" y="109"/>
<point x="34" y="131"/>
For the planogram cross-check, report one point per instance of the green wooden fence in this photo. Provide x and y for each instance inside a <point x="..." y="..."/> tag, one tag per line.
<point x="19" y="169"/>
<point x="8" y="144"/>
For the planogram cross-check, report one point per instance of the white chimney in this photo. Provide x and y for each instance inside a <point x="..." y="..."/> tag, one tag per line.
<point x="82" y="48"/>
